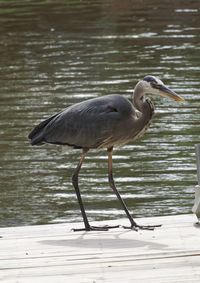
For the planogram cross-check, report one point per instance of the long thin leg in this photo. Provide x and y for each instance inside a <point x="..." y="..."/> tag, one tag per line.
<point x="78" y="194"/>
<point x="77" y="190"/>
<point x="134" y="225"/>
<point x="113" y="187"/>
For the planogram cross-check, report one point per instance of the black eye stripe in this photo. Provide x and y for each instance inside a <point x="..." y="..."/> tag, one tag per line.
<point x="153" y="82"/>
<point x="155" y="85"/>
<point x="150" y="79"/>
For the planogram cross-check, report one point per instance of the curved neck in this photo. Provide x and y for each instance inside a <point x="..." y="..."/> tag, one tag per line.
<point x="142" y="104"/>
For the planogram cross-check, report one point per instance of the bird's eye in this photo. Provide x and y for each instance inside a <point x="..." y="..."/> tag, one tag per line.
<point x="155" y="85"/>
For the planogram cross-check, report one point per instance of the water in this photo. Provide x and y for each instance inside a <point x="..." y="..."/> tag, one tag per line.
<point x="56" y="53"/>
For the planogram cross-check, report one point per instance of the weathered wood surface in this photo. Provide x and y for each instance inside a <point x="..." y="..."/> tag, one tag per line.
<point x="53" y="253"/>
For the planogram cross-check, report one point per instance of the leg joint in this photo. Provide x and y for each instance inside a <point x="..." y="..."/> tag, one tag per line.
<point x="74" y="179"/>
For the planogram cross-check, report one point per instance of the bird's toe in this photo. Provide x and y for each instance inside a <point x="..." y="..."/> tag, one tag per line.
<point x="137" y="227"/>
<point x="96" y="228"/>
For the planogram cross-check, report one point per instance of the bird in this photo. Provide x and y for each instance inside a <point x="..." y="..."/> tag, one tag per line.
<point x="103" y="123"/>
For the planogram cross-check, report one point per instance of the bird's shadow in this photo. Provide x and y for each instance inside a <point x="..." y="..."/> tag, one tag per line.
<point x="116" y="240"/>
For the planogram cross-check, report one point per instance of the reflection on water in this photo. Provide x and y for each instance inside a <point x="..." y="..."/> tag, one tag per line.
<point x="54" y="54"/>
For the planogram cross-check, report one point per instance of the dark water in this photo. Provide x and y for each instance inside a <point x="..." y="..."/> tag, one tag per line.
<point x="55" y="53"/>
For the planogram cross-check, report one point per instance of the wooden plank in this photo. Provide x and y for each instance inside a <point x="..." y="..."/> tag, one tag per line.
<point x="53" y="253"/>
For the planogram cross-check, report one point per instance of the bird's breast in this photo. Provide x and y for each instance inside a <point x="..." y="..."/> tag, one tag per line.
<point x="142" y="131"/>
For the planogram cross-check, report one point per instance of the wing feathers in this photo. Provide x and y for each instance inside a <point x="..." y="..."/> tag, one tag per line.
<point x="91" y="123"/>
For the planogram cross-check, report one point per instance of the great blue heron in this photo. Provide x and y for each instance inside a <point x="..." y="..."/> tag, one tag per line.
<point x="103" y="122"/>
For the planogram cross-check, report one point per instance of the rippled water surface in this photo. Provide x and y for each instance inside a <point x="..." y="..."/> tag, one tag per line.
<point x="56" y="53"/>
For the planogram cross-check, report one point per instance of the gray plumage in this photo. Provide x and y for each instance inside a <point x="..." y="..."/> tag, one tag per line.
<point x="102" y="123"/>
<point x="99" y="122"/>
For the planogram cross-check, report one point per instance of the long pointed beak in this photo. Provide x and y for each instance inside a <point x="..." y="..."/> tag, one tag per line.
<point x="165" y="91"/>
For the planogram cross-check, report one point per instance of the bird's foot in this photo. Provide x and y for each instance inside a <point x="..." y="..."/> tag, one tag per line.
<point x="96" y="228"/>
<point x="137" y="227"/>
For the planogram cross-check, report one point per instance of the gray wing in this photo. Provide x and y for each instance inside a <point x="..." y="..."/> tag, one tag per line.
<point x="90" y="124"/>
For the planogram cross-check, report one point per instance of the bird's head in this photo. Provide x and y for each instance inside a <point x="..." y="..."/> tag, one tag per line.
<point x="153" y="85"/>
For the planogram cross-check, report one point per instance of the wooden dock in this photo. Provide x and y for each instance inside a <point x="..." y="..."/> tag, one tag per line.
<point x="53" y="253"/>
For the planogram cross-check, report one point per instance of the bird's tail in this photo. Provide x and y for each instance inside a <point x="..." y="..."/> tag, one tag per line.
<point x="36" y="136"/>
